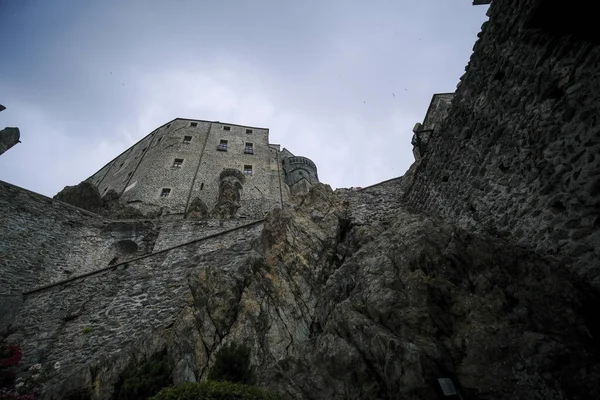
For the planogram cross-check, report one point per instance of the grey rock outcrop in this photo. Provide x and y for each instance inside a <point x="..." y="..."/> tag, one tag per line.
<point x="8" y="138"/>
<point x="85" y="195"/>
<point x="336" y="306"/>
<point x="382" y="310"/>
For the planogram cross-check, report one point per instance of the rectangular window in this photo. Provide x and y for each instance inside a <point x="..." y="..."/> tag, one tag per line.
<point x="249" y="148"/>
<point x="247" y="169"/>
<point x="249" y="131"/>
<point x="222" y="145"/>
<point x="165" y="192"/>
<point x="193" y="124"/>
<point x="226" y="128"/>
<point x="187" y="139"/>
<point x="178" y="163"/>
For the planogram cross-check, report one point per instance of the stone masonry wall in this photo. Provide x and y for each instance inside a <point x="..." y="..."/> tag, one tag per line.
<point x="178" y="232"/>
<point x="43" y="240"/>
<point x="93" y="323"/>
<point x="143" y="171"/>
<point x="519" y="154"/>
<point x="376" y="203"/>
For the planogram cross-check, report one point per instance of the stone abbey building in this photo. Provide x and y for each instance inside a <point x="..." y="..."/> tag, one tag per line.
<point x="202" y="165"/>
<point x="475" y="275"/>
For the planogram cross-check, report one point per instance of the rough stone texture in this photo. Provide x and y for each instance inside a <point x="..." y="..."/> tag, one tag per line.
<point x="436" y="114"/>
<point x="353" y="295"/>
<point x="43" y="240"/>
<point x="299" y="173"/>
<point x="332" y="310"/>
<point x="92" y="328"/>
<point x="374" y="203"/>
<point x="85" y="195"/>
<point x="230" y="193"/>
<point x="8" y="138"/>
<point x="178" y="232"/>
<point x="10" y="306"/>
<point x="197" y="209"/>
<point x="140" y="173"/>
<point x="519" y="155"/>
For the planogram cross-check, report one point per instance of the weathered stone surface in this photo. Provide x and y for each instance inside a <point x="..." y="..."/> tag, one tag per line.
<point x="518" y="154"/>
<point x="230" y="193"/>
<point x="331" y="308"/>
<point x="84" y="195"/>
<point x="354" y="295"/>
<point x="141" y="172"/>
<point x="8" y="138"/>
<point x="197" y="209"/>
<point x="44" y="241"/>
<point x="87" y="331"/>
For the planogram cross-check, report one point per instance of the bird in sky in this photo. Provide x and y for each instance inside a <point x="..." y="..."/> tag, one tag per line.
<point x="393" y="94"/>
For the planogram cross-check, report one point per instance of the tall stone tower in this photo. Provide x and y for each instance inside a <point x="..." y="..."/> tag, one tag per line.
<point x="218" y="167"/>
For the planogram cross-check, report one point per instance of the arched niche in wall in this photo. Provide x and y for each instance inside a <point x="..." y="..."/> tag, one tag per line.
<point x="126" y="247"/>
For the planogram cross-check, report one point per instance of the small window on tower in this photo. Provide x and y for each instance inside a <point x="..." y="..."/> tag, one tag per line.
<point x="222" y="145"/>
<point x="249" y="131"/>
<point x="247" y="169"/>
<point x="193" y="124"/>
<point x="178" y="163"/>
<point x="249" y="149"/>
<point x="165" y="192"/>
<point x="226" y="128"/>
<point x="187" y="139"/>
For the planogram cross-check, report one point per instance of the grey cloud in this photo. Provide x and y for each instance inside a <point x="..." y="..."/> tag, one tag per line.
<point x="88" y="81"/>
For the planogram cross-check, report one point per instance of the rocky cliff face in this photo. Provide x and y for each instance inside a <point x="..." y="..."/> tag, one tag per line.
<point x="345" y="295"/>
<point x="335" y="310"/>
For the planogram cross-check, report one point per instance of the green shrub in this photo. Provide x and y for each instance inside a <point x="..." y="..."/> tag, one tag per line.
<point x="87" y="330"/>
<point x="146" y="380"/>
<point x="212" y="390"/>
<point x="232" y="364"/>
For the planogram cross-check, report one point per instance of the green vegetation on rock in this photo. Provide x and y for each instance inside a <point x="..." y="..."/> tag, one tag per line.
<point x="146" y="380"/>
<point x="233" y="364"/>
<point x="211" y="390"/>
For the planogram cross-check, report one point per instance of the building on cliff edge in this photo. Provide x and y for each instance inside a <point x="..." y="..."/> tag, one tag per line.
<point x="208" y="167"/>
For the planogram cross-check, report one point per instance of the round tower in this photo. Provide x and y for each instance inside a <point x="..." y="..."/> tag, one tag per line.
<point x="299" y="173"/>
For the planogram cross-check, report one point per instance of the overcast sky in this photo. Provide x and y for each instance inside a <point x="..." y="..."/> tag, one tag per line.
<point x="339" y="81"/>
